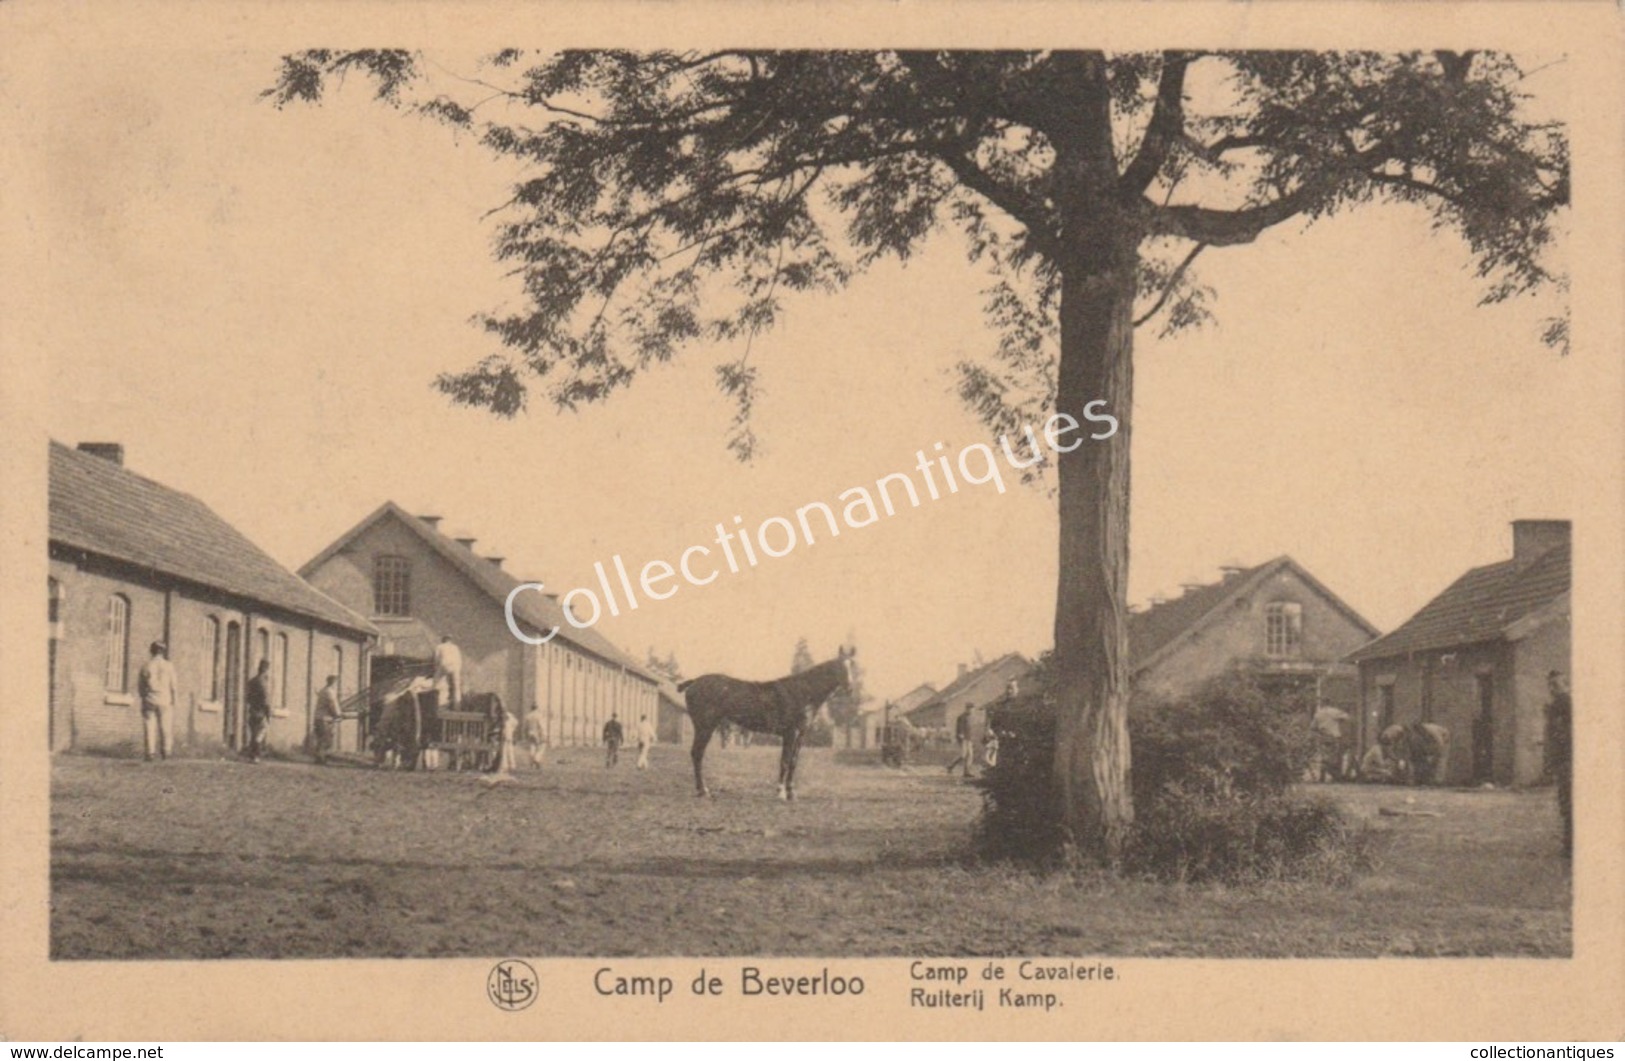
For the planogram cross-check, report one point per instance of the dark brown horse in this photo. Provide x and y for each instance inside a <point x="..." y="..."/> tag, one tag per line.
<point x="785" y="708"/>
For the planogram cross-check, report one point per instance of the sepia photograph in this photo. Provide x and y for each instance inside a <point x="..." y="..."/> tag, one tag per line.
<point x="1041" y="514"/>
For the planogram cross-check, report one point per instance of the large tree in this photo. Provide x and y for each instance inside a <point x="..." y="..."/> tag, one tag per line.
<point x="671" y="199"/>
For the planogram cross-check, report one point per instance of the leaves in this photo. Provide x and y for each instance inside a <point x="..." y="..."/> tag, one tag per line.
<point x="670" y="199"/>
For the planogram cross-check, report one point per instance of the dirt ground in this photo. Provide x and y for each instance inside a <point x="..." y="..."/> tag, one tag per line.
<point x="215" y="858"/>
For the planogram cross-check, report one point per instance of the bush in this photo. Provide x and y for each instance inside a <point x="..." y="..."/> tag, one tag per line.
<point x="1018" y="794"/>
<point x="1195" y="837"/>
<point x="1233" y="737"/>
<point x="1209" y="779"/>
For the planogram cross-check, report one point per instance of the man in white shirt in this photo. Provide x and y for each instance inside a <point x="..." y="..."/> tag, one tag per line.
<point x="448" y="672"/>
<point x="157" y="685"/>
<point x="327" y="718"/>
<point x="646" y="740"/>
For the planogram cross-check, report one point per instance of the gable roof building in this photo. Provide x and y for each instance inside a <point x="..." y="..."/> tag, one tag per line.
<point x="1271" y="619"/>
<point x="133" y="562"/>
<point x="99" y="507"/>
<point x="912" y="699"/>
<point x="977" y="687"/>
<point x="1475" y="659"/>
<point x="419" y="585"/>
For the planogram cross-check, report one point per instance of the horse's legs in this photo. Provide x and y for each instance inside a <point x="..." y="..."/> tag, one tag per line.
<point x="792" y="748"/>
<point x="785" y="754"/>
<point x="702" y="737"/>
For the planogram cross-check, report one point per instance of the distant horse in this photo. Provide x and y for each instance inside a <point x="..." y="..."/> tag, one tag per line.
<point x="785" y="708"/>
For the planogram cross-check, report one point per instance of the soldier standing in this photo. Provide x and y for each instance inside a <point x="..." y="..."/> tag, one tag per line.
<point x="157" y="687"/>
<point x="327" y="718"/>
<point x="259" y="710"/>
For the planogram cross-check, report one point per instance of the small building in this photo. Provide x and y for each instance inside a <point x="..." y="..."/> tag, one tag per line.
<point x="977" y="687"/>
<point x="1276" y="621"/>
<point x="132" y="562"/>
<point x="417" y="585"/>
<point x="1475" y="659"/>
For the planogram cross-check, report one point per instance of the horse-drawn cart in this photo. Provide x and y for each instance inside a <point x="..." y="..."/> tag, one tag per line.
<point x="409" y="727"/>
<point x="471" y="739"/>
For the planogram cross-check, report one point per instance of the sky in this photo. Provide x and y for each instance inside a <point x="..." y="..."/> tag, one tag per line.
<point x="258" y="301"/>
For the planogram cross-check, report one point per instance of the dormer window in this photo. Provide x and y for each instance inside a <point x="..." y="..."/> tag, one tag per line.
<point x="1283" y="630"/>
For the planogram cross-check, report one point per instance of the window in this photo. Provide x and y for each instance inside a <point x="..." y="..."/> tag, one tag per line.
<point x="117" y="675"/>
<point x="209" y="660"/>
<point x="279" y="672"/>
<point x="262" y="644"/>
<point x="391" y="586"/>
<point x="1283" y="630"/>
<point x="338" y="670"/>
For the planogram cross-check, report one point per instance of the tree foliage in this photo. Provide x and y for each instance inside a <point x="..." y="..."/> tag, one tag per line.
<point x="675" y="198"/>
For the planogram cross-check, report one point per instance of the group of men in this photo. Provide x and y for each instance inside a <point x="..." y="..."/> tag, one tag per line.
<point x="158" y="690"/>
<point x="615" y="736"/>
<point x="965" y="735"/>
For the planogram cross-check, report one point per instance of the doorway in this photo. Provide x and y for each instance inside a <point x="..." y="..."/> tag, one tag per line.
<point x="1484" y="731"/>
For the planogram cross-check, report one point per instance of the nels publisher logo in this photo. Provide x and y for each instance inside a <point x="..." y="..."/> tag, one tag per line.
<point x="511" y="985"/>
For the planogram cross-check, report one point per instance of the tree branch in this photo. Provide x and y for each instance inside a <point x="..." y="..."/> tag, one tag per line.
<point x="1164" y="129"/>
<point x="1401" y="180"/>
<point x="1024" y="209"/>
<point x="1173" y="282"/>
<point x="1226" y="228"/>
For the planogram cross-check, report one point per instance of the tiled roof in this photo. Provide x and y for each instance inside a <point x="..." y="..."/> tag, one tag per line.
<point x="1012" y="664"/>
<point x="1478" y="606"/>
<point x="537" y="610"/>
<point x="99" y="507"/>
<point x="1152" y="631"/>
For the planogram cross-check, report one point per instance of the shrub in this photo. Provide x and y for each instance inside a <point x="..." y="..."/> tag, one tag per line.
<point x="1193" y="836"/>
<point x="1018" y="794"/>
<point x="1209" y="779"/>
<point x="1235" y="736"/>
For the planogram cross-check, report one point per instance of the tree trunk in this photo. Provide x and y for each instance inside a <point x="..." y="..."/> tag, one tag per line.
<point x="1097" y="259"/>
<point x="1091" y="663"/>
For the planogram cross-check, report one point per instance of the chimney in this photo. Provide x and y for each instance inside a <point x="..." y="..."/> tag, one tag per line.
<point x="496" y="561"/>
<point x="1533" y="538"/>
<point x="467" y="543"/>
<point x="107" y="451"/>
<point x="1231" y="570"/>
<point x="432" y="521"/>
<point x="963" y="670"/>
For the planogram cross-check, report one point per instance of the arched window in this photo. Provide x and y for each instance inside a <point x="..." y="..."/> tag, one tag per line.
<point x="1283" y="630"/>
<point x="117" y="675"/>
<point x="209" y="659"/>
<point x="338" y="669"/>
